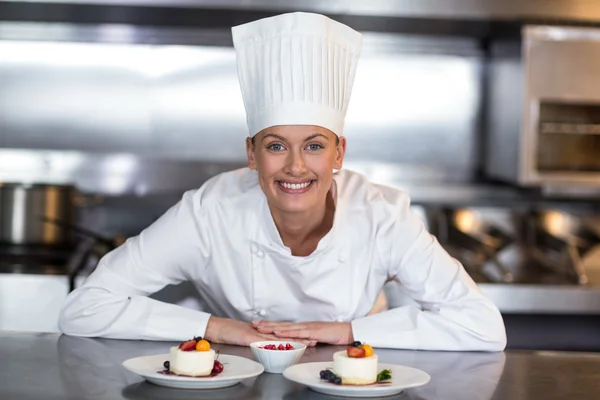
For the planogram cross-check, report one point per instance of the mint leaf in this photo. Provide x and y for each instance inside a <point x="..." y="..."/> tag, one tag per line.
<point x="384" y="375"/>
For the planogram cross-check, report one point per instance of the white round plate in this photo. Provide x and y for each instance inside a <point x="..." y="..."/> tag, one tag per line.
<point x="235" y="369"/>
<point x="402" y="378"/>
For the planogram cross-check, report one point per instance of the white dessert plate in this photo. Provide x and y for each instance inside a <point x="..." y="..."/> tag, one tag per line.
<point x="402" y="378"/>
<point x="235" y="369"/>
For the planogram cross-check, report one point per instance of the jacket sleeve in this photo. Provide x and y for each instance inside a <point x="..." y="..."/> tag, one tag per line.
<point x="451" y="312"/>
<point x="113" y="300"/>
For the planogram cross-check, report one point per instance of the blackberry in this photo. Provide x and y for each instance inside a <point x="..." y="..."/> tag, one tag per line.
<point x="356" y="344"/>
<point x="338" y="381"/>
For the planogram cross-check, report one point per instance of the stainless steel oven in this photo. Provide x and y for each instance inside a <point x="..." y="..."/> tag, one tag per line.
<point x="544" y="108"/>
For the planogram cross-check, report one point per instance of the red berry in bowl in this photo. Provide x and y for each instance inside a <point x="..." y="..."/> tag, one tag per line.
<point x="281" y="346"/>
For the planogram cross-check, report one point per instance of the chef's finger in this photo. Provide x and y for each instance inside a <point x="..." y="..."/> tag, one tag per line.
<point x="263" y="329"/>
<point x="273" y="323"/>
<point x="280" y="328"/>
<point x="298" y="334"/>
<point x="287" y="328"/>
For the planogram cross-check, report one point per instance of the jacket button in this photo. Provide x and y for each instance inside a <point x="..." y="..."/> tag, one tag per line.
<point x="260" y="253"/>
<point x="262" y="313"/>
<point x="340" y="319"/>
<point x="342" y="258"/>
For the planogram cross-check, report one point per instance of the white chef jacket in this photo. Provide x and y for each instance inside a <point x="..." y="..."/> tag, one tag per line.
<point x="222" y="238"/>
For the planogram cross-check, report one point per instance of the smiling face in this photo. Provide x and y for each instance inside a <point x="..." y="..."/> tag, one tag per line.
<point x="295" y="164"/>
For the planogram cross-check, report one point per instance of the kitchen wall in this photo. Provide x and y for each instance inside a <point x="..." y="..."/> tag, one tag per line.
<point x="102" y="114"/>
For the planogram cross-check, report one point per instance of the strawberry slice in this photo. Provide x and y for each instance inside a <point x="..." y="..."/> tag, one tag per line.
<point x="355" y="352"/>
<point x="190" y="345"/>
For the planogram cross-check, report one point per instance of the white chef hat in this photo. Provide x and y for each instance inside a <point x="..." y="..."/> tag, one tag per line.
<point x="296" y="69"/>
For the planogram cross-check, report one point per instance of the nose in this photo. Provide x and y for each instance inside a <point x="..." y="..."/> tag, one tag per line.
<point x="296" y="165"/>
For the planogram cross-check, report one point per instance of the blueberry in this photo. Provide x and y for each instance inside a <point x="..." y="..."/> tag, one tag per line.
<point x="198" y="338"/>
<point x="338" y="381"/>
<point x="324" y="374"/>
<point x="166" y="364"/>
<point x="356" y="344"/>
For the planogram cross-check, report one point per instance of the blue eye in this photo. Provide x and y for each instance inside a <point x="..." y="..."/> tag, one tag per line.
<point x="315" y="147"/>
<point x="275" y="147"/>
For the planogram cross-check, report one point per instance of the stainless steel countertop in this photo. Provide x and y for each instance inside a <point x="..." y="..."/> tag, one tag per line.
<point x="50" y="366"/>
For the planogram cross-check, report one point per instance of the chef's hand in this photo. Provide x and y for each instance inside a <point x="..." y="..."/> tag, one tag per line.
<point x="339" y="333"/>
<point x="230" y="331"/>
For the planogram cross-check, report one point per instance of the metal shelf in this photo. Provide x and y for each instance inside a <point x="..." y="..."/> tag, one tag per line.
<point x="543" y="299"/>
<point x="569" y="128"/>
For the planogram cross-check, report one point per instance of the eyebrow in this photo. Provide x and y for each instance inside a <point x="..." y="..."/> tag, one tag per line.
<point x="273" y="136"/>
<point x="311" y="137"/>
<point x="315" y="135"/>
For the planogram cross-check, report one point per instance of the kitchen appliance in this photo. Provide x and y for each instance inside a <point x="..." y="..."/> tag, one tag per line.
<point x="44" y="254"/>
<point x="479" y="241"/>
<point x="560" y="241"/>
<point x="544" y="108"/>
<point x="523" y="244"/>
<point x="34" y="282"/>
<point x="36" y="279"/>
<point x="23" y="209"/>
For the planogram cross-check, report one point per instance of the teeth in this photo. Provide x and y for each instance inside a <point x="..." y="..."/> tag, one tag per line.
<point x="295" y="185"/>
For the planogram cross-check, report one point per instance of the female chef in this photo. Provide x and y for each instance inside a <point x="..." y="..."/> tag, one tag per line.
<point x="286" y="248"/>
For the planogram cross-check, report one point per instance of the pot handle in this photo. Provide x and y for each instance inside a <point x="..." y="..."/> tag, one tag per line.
<point x="81" y="230"/>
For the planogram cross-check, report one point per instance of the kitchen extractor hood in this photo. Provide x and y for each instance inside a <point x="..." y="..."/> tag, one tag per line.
<point x="581" y="10"/>
<point x="456" y="17"/>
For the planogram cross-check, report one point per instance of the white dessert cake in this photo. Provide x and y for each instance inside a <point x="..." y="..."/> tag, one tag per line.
<point x="191" y="363"/>
<point x="355" y="371"/>
<point x="192" y="358"/>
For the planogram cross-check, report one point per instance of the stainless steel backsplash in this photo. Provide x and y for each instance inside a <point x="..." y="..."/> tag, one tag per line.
<point x="118" y="117"/>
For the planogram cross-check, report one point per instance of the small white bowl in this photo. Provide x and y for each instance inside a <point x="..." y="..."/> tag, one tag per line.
<point x="276" y="361"/>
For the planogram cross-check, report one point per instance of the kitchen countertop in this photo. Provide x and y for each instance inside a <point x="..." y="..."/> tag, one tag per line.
<point x="50" y="366"/>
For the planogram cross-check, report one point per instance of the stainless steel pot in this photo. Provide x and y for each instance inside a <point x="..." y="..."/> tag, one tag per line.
<point x="24" y="210"/>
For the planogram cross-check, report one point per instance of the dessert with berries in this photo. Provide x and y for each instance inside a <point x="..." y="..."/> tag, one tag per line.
<point x="357" y="365"/>
<point x="193" y="358"/>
